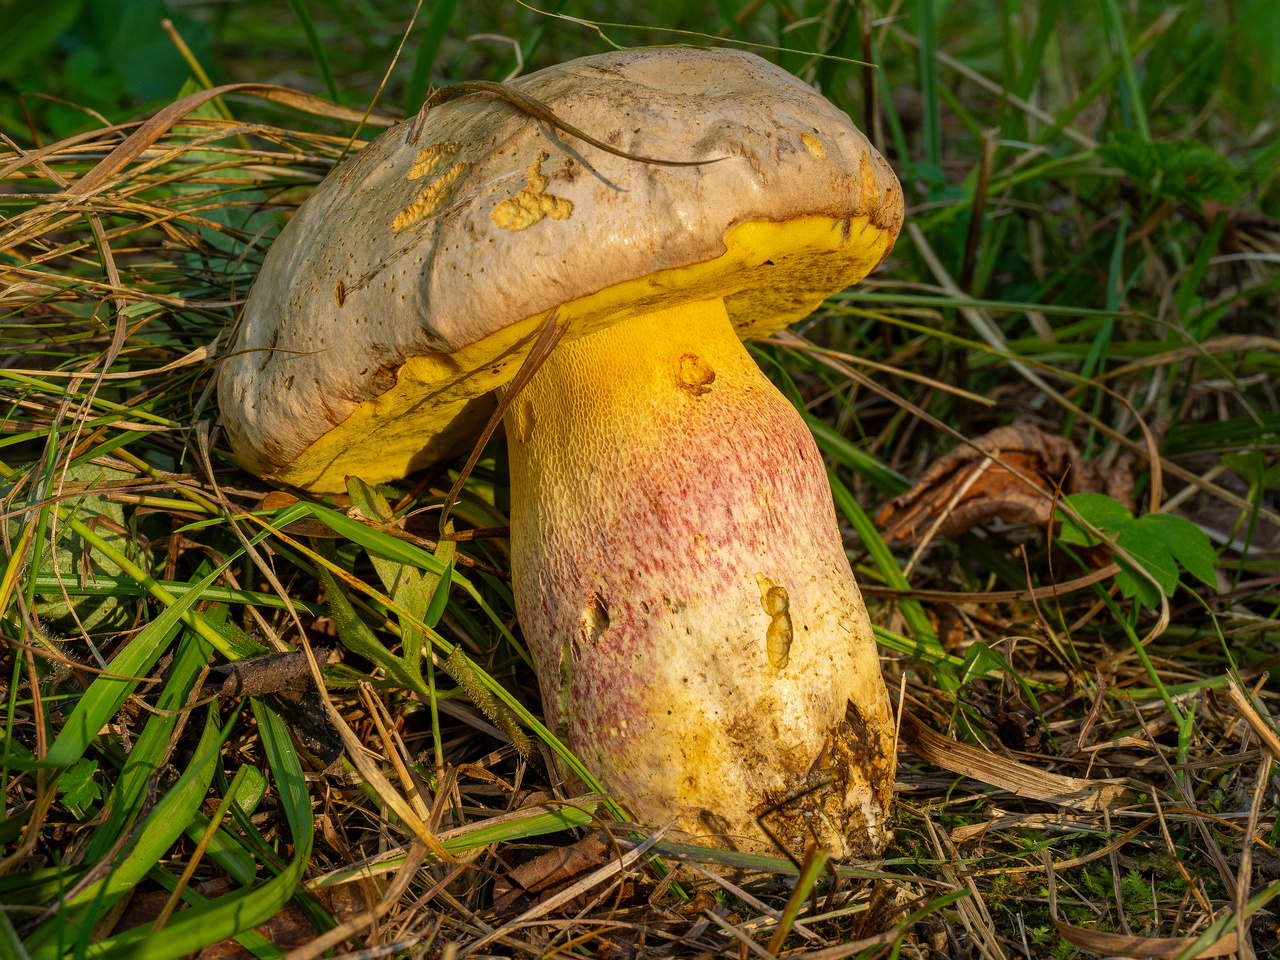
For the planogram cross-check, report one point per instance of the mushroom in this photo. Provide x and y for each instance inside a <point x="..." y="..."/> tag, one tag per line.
<point x="680" y="580"/>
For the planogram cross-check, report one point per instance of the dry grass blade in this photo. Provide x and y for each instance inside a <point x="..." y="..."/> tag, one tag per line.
<point x="1261" y="728"/>
<point x="548" y="337"/>
<point x="540" y="111"/>
<point x="1018" y="778"/>
<point x="994" y="596"/>
<point x="156" y="126"/>
<point x="390" y="898"/>
<point x="1119" y="945"/>
<point x="750" y="899"/>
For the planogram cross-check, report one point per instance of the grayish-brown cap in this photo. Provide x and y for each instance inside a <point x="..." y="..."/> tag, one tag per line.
<point x="411" y="283"/>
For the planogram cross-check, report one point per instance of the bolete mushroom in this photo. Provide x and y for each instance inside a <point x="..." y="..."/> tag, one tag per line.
<point x="680" y="580"/>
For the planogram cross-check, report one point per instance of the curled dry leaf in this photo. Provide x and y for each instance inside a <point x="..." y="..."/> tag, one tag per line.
<point x="533" y="882"/>
<point x="970" y="486"/>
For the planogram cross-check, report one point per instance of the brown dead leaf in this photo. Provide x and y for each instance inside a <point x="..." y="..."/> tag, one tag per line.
<point x="949" y="626"/>
<point x="289" y="928"/>
<point x="1003" y="713"/>
<point x="530" y="883"/>
<point x="966" y="487"/>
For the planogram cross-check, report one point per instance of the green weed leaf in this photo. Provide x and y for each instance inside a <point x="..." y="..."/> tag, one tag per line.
<point x="1146" y="546"/>
<point x="1098" y="509"/>
<point x="1253" y="469"/>
<point x="1188" y="544"/>
<point x="1185" y="171"/>
<point x="1160" y="542"/>
<point x="79" y="785"/>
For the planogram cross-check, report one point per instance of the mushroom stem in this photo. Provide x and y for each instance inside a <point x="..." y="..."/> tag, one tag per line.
<point x="685" y="593"/>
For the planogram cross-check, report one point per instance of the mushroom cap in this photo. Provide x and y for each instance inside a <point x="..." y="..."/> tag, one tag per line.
<point x="413" y="281"/>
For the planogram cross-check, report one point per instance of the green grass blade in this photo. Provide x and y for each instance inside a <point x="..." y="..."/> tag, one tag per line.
<point x="1133" y="89"/>
<point x="358" y="638"/>
<point x="1033" y="60"/>
<point x="914" y="613"/>
<point x="105" y="695"/>
<point x="11" y="947"/>
<point x="299" y="8"/>
<point x="855" y="459"/>
<point x="1096" y="360"/>
<point x="162" y="827"/>
<point x="196" y="928"/>
<point x="1190" y="284"/>
<point x="508" y="831"/>
<point x="932" y="119"/>
<point x="106" y="586"/>
<point x="428" y="48"/>
<point x="251" y="940"/>
<point x="149" y="748"/>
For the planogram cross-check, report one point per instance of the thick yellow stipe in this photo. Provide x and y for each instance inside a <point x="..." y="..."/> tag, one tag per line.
<point x="770" y="275"/>
<point x="683" y="588"/>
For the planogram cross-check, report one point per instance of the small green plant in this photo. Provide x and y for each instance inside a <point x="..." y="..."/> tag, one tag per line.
<point x="1184" y="171"/>
<point x="1165" y="545"/>
<point x="79" y="786"/>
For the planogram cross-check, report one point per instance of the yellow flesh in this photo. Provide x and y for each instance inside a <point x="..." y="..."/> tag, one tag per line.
<point x="770" y="275"/>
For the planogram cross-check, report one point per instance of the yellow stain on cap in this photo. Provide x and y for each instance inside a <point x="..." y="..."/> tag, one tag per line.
<point x="430" y="200"/>
<point x="532" y="203"/>
<point x="431" y="159"/>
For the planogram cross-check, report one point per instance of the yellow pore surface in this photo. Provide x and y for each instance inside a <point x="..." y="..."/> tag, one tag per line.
<point x="770" y="275"/>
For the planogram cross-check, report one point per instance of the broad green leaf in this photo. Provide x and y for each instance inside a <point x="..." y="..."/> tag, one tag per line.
<point x="1146" y="547"/>
<point x="1144" y="542"/>
<point x="1133" y="584"/>
<point x="1098" y="509"/>
<point x="79" y="785"/>
<point x="1188" y="544"/>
